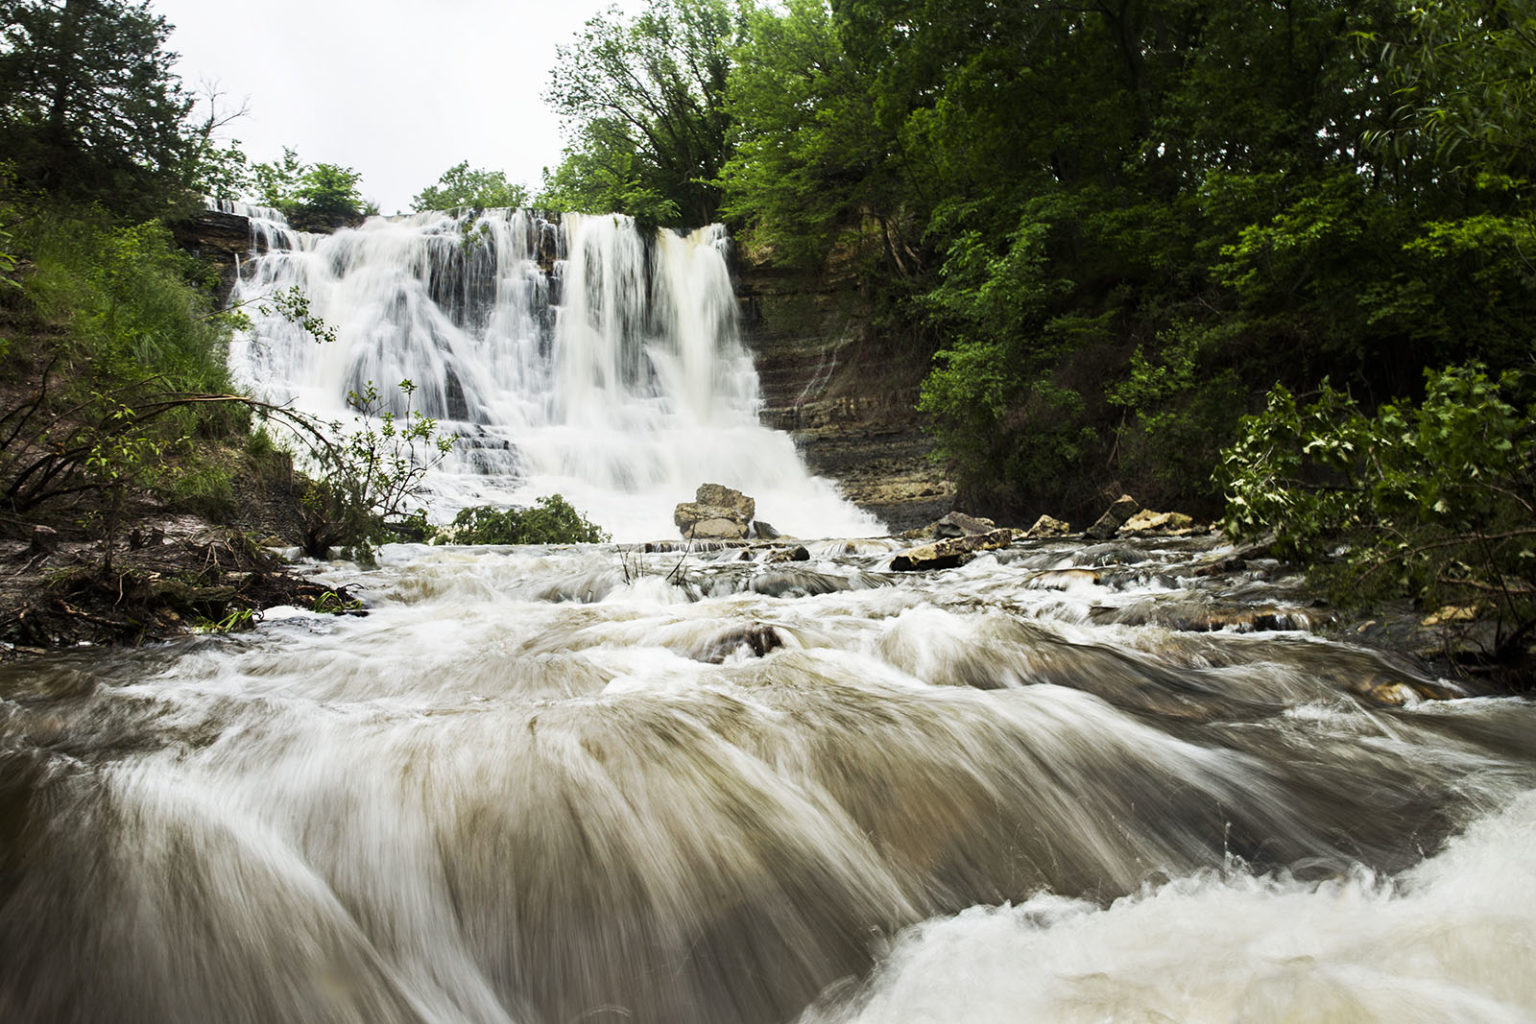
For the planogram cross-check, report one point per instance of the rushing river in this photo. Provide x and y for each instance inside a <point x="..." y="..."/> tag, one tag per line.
<point x="729" y="786"/>
<point x="593" y="784"/>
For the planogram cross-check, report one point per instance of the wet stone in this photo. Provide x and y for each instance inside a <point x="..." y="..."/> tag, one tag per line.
<point x="1113" y="518"/>
<point x="716" y="513"/>
<point x="1045" y="527"/>
<point x="1164" y="524"/>
<point x="958" y="524"/>
<point x="949" y="553"/>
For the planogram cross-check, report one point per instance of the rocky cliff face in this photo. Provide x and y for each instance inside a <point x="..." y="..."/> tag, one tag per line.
<point x="219" y="239"/>
<point x="844" y="392"/>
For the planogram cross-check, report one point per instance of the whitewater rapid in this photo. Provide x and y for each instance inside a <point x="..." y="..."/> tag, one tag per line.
<point x="592" y="783"/>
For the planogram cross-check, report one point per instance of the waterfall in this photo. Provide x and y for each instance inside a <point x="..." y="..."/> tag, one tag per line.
<point x="585" y="357"/>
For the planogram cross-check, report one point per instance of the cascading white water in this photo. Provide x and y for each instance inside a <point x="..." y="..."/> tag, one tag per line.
<point x="578" y="784"/>
<point x="617" y="378"/>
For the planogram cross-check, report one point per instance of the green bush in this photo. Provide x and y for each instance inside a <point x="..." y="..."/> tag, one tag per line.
<point x="369" y="475"/>
<point x="1435" y="501"/>
<point x="135" y="305"/>
<point x="549" y="520"/>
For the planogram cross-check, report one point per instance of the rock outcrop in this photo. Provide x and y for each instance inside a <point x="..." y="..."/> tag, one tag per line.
<point x="218" y="239"/>
<point x="1160" y="524"/>
<point x="950" y="552"/>
<point x="1113" y="518"/>
<point x="846" y="391"/>
<point x="716" y="513"/>
<point x="958" y="524"/>
<point x="1046" y="527"/>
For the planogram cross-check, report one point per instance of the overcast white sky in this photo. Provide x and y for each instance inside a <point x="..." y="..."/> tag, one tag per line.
<point x="400" y="90"/>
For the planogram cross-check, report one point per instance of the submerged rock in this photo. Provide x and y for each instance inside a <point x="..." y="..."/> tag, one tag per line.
<point x="1062" y="579"/>
<point x="950" y="552"/>
<point x="1200" y="617"/>
<point x="797" y="583"/>
<point x="1113" y="518"/>
<point x="756" y="639"/>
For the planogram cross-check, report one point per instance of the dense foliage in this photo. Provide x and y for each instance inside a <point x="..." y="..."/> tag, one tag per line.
<point x="89" y="106"/>
<point x="1436" y="500"/>
<point x="309" y="194"/>
<point x="461" y="187"/>
<point x="106" y="330"/>
<point x="643" y="100"/>
<point x="112" y="350"/>
<point x="549" y="520"/>
<point x="1114" y="224"/>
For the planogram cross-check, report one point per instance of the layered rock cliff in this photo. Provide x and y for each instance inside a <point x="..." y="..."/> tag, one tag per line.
<point x="845" y="391"/>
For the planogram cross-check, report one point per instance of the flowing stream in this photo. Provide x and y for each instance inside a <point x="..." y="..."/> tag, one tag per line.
<point x="733" y="785"/>
<point x="595" y="784"/>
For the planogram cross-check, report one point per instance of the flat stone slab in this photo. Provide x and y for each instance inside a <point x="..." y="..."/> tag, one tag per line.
<point x="948" y="553"/>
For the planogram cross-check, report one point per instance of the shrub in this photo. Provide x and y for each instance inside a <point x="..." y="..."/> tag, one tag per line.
<point x="549" y="520"/>
<point x="1435" y="501"/>
<point x="369" y="475"/>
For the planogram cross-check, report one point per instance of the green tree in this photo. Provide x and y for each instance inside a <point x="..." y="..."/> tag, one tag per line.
<point x="645" y="98"/>
<point x="604" y="174"/>
<point x="320" y="194"/>
<point x="1463" y="74"/>
<point x="89" y="106"/>
<point x="812" y="168"/>
<point x="329" y="190"/>
<point x="277" y="181"/>
<point x="459" y="186"/>
<point x="222" y="172"/>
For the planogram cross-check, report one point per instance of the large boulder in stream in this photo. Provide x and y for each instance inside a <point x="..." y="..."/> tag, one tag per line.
<point x="1147" y="523"/>
<point x="1047" y="526"/>
<point x="950" y="552"/>
<point x="716" y="513"/>
<point x="958" y="524"/>
<point x="1113" y="518"/>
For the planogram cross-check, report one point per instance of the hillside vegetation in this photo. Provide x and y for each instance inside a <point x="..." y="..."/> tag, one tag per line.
<point x="1119" y="228"/>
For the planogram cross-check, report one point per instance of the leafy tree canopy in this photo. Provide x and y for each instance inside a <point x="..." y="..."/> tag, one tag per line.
<point x="460" y="186"/>
<point x="643" y="101"/>
<point x="1434" y="500"/>
<point x="327" y="193"/>
<point x="1117" y="223"/>
<point x="89" y="105"/>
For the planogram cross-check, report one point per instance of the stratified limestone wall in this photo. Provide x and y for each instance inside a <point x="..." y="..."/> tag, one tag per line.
<point x="219" y="239"/>
<point x="844" y="392"/>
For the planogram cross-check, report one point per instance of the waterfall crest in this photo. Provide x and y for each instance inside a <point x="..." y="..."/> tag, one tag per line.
<point x="584" y="357"/>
